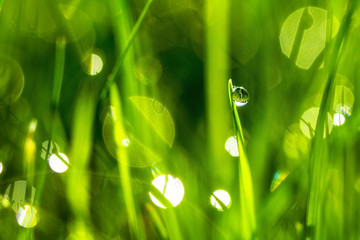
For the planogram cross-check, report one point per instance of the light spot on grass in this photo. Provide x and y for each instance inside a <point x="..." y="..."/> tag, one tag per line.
<point x="1" y="167"/>
<point x="220" y="199"/>
<point x="125" y="142"/>
<point x="339" y="119"/>
<point x="231" y="146"/>
<point x="303" y="34"/>
<point x="4" y="202"/>
<point x="27" y="216"/>
<point x="148" y="70"/>
<point x="59" y="162"/>
<point x="170" y="187"/>
<point x="94" y="64"/>
<point x="308" y="123"/>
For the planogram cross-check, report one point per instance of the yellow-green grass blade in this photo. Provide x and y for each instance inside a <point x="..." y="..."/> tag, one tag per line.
<point x="247" y="205"/>
<point x="124" y="51"/>
<point x="78" y="183"/>
<point x="135" y="225"/>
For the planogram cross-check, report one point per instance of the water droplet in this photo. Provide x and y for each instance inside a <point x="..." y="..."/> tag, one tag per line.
<point x="240" y="96"/>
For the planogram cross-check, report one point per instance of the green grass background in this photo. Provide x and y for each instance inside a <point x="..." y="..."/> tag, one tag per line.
<point x="200" y="46"/>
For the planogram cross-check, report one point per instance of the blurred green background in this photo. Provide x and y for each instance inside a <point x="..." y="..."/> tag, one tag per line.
<point x="132" y="90"/>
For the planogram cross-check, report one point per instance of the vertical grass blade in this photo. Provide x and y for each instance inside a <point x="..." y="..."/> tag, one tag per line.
<point x="247" y="205"/>
<point x="124" y="51"/>
<point x="78" y="182"/>
<point x="55" y="100"/>
<point x="136" y="229"/>
<point x="59" y="70"/>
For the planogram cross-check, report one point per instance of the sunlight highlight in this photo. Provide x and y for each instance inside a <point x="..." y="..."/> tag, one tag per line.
<point x="339" y="119"/>
<point x="125" y="142"/>
<point x="59" y="162"/>
<point x="27" y="216"/>
<point x="1" y="167"/>
<point x="308" y="123"/>
<point x="231" y="146"/>
<point x="170" y="187"/>
<point x="310" y="23"/>
<point x="220" y="199"/>
<point x="95" y="64"/>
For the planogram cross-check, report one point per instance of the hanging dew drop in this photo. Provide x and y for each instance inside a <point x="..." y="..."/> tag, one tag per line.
<point x="240" y="96"/>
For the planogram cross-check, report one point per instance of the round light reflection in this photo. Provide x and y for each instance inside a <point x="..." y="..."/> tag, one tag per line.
<point x="231" y="146"/>
<point x="308" y="123"/>
<point x="1" y="167"/>
<point x="125" y="142"/>
<point x="223" y="197"/>
<point x="57" y="164"/>
<point x="27" y="216"/>
<point x="94" y="64"/>
<point x="170" y="187"/>
<point x="339" y="119"/>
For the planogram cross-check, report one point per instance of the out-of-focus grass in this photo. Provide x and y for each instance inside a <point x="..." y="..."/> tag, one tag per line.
<point x="283" y="185"/>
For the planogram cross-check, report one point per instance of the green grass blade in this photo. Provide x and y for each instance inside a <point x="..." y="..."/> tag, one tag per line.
<point x="247" y="204"/>
<point x="136" y="229"/>
<point x="78" y="183"/>
<point x="124" y="51"/>
<point x="59" y="70"/>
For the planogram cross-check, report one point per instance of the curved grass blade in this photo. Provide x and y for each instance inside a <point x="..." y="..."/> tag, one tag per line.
<point x="247" y="205"/>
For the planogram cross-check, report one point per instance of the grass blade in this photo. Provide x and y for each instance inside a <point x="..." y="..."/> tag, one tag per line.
<point x="318" y="164"/>
<point x="124" y="51"/>
<point x="136" y="229"/>
<point x="247" y="205"/>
